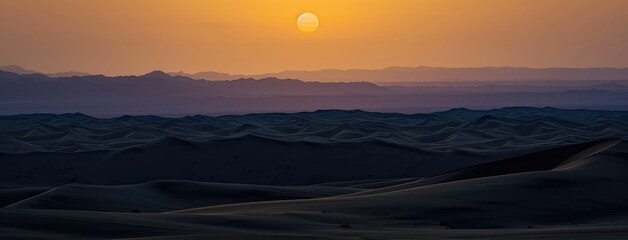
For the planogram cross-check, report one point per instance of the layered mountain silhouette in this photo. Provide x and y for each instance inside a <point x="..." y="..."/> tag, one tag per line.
<point x="16" y="69"/>
<point x="20" y="70"/>
<point x="159" y="84"/>
<point x="434" y="74"/>
<point x="392" y="75"/>
<point x="160" y="93"/>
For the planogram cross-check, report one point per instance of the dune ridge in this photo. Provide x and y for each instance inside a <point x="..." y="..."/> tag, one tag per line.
<point x="508" y="173"/>
<point x="262" y="148"/>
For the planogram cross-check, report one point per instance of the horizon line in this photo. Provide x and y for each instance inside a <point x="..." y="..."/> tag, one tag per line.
<point x="313" y="70"/>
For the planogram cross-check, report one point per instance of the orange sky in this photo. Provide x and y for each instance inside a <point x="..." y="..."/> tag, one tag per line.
<point x="258" y="36"/>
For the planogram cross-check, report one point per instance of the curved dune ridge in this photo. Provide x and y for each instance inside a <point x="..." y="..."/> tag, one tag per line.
<point x="282" y="149"/>
<point x="513" y="173"/>
<point x="164" y="195"/>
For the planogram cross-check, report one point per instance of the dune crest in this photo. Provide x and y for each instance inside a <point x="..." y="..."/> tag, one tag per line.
<point x="330" y="174"/>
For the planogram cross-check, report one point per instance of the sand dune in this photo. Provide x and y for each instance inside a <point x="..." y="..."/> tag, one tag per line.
<point x="282" y="149"/>
<point x="160" y="196"/>
<point x="513" y="173"/>
<point x="12" y="195"/>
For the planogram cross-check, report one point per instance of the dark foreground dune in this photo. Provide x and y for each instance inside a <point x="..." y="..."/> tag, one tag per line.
<point x="513" y="173"/>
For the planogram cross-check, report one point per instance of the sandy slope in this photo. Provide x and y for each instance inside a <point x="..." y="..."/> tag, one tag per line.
<point x="160" y="196"/>
<point x="586" y="200"/>
<point x="282" y="149"/>
<point x="517" y="173"/>
<point x="475" y="198"/>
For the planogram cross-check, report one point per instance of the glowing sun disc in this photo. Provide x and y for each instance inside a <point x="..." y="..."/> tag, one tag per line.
<point x="307" y="22"/>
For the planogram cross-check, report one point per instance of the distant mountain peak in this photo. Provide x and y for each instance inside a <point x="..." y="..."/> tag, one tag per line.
<point x="208" y="75"/>
<point x="16" y="69"/>
<point x="157" y="74"/>
<point x="68" y="74"/>
<point x="274" y="79"/>
<point x="20" y="70"/>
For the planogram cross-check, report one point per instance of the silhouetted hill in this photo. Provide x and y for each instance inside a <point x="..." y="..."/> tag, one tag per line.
<point x="494" y="87"/>
<point x="20" y="70"/>
<point x="16" y="69"/>
<point x="156" y="74"/>
<point x="159" y="93"/>
<point x="68" y="74"/>
<point x="150" y="89"/>
<point x="275" y="86"/>
<point x="421" y="74"/>
<point x="435" y="74"/>
<point x="208" y="75"/>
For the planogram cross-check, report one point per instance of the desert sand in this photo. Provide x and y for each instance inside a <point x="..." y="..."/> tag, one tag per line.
<point x="510" y="173"/>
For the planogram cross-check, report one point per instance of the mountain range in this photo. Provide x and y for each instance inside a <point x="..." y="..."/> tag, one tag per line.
<point x="20" y="70"/>
<point x="161" y="93"/>
<point x="433" y="74"/>
<point x="397" y="75"/>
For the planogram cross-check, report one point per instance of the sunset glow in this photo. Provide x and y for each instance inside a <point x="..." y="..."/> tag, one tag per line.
<point x="259" y="36"/>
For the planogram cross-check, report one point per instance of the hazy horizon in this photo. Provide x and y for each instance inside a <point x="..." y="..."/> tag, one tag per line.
<point x="136" y="37"/>
<point x="168" y="71"/>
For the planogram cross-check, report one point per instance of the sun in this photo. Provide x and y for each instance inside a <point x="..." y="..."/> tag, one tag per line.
<point x="308" y="22"/>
